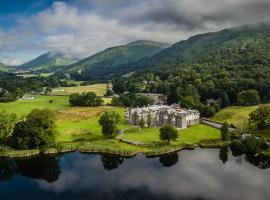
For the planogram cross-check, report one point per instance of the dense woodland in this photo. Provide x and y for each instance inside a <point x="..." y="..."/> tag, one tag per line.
<point x="236" y="71"/>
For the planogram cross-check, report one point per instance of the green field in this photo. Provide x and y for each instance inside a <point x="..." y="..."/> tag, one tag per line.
<point x="99" y="89"/>
<point x="82" y="123"/>
<point x="22" y="107"/>
<point x="190" y="135"/>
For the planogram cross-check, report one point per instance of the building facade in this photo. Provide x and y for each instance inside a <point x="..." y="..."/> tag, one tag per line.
<point x="158" y="116"/>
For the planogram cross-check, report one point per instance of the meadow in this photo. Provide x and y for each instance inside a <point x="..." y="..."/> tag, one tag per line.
<point x="99" y="89"/>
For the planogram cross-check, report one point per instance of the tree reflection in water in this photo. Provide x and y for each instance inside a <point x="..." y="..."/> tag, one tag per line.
<point x="169" y="160"/>
<point x="45" y="168"/>
<point x="8" y="169"/>
<point x="223" y="154"/>
<point x="111" y="162"/>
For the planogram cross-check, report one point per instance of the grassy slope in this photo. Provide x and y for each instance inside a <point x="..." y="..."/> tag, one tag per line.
<point x="49" y="61"/>
<point x="120" y="55"/>
<point x="234" y="114"/>
<point x="237" y="115"/>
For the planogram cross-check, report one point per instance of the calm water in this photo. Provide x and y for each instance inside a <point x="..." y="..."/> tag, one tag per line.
<point x="198" y="174"/>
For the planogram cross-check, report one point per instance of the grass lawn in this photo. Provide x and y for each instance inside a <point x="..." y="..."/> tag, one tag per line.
<point x="190" y="135"/>
<point x="99" y="89"/>
<point x="22" y="107"/>
<point x="82" y="123"/>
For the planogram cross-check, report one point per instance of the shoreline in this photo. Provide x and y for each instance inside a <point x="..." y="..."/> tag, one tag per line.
<point x="72" y="147"/>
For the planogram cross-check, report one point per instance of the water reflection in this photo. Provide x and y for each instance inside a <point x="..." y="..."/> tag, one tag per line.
<point x="45" y="168"/>
<point x="223" y="154"/>
<point x="169" y="160"/>
<point x="111" y="162"/>
<point x="7" y="169"/>
<point x="199" y="175"/>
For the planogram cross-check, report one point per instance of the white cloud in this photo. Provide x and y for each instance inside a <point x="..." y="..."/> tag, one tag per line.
<point x="11" y="62"/>
<point x="84" y="27"/>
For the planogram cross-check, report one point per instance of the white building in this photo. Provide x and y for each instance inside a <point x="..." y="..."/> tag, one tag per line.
<point x="161" y="115"/>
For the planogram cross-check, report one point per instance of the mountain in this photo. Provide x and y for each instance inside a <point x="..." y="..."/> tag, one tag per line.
<point x="110" y="60"/>
<point x="228" y="45"/>
<point x="7" y="68"/>
<point x="49" y="61"/>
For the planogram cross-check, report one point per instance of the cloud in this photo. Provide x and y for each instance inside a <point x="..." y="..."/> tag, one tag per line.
<point x="11" y="62"/>
<point x="84" y="27"/>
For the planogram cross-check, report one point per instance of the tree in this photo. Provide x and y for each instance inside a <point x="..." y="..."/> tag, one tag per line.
<point x="7" y="124"/>
<point x="224" y="100"/>
<point x="188" y="102"/>
<point x="260" y="118"/>
<point x="248" y="98"/>
<point x="109" y="121"/>
<point x="85" y="99"/>
<point x="142" y="123"/>
<point x="168" y="133"/>
<point x="206" y="111"/>
<point x="37" y="130"/>
<point x="225" y="132"/>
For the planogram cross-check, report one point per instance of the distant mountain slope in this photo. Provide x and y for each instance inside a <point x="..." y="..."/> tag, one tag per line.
<point x="107" y="61"/>
<point x="7" y="68"/>
<point x="49" y="61"/>
<point x="236" y="46"/>
<point x="228" y="44"/>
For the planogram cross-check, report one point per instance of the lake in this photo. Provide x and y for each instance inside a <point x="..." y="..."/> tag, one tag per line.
<point x="189" y="175"/>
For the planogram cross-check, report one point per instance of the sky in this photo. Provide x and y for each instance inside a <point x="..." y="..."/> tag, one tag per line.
<point x="29" y="28"/>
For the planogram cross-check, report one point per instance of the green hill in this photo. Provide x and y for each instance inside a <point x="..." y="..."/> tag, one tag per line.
<point x="247" y="45"/>
<point x="49" y="61"/>
<point x="229" y="45"/>
<point x="110" y="61"/>
<point x="7" y="68"/>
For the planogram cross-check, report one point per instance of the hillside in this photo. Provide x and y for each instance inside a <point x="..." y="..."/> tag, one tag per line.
<point x="206" y="47"/>
<point x="110" y="61"/>
<point x="212" y="65"/>
<point x="49" y="61"/>
<point x="7" y="68"/>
